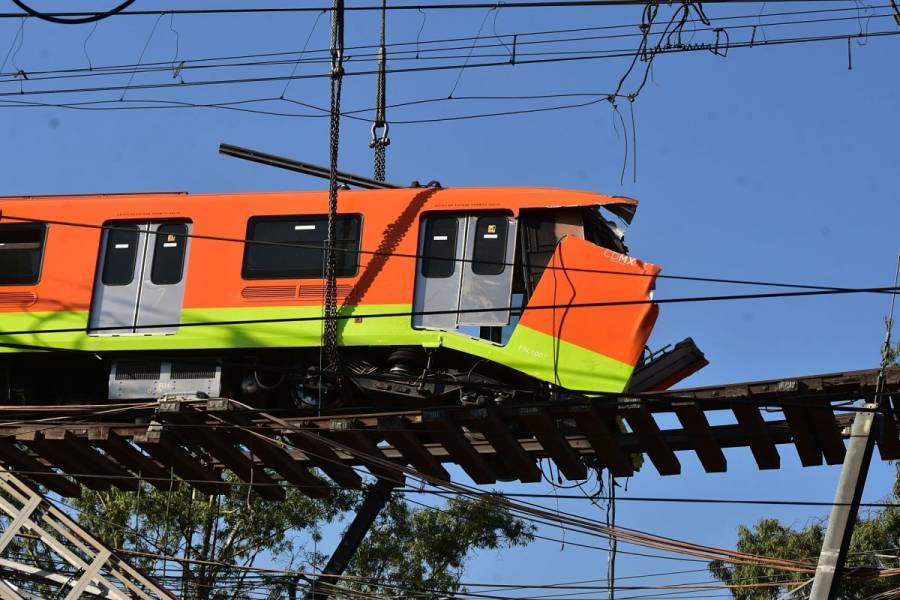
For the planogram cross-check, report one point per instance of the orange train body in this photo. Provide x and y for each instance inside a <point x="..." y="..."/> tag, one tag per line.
<point x="564" y="268"/>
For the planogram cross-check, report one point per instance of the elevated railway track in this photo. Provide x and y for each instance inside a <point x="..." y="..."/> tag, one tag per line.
<point x="197" y="439"/>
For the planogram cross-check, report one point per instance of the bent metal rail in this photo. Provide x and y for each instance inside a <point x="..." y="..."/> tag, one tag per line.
<point x="196" y="440"/>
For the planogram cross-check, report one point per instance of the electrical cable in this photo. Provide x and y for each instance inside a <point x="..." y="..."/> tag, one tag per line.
<point x="74" y="20"/>
<point x="373" y="7"/>
<point x="166" y="65"/>
<point x="514" y="310"/>
<point x="416" y="256"/>
<point x="434" y="68"/>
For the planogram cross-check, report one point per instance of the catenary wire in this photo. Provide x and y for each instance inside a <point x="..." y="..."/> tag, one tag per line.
<point x="416" y="256"/>
<point x="168" y="64"/>
<point x="514" y="310"/>
<point x="435" y="68"/>
<point x="207" y="63"/>
<point x="373" y="7"/>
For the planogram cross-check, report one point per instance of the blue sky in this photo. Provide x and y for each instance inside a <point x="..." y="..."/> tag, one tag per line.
<point x="773" y="163"/>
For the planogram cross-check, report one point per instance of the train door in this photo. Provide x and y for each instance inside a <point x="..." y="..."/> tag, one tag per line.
<point x="465" y="264"/>
<point x="139" y="285"/>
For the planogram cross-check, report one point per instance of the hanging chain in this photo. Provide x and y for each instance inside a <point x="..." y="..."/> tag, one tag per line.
<point x="337" y="72"/>
<point x="380" y="142"/>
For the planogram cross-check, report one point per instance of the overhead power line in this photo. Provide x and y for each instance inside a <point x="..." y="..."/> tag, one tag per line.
<point x="371" y="7"/>
<point x="415" y="256"/>
<point x="666" y="499"/>
<point x="277" y="59"/>
<point x="421" y="45"/>
<point x="73" y="20"/>
<point x="543" y="58"/>
<point x="515" y="310"/>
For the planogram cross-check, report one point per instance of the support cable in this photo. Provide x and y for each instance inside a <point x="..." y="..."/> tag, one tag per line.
<point x="330" y="332"/>
<point x="379" y="143"/>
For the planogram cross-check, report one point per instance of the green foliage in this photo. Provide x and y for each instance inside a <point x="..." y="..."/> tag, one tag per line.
<point x="875" y="539"/>
<point x="421" y="549"/>
<point x="407" y="548"/>
<point x="893" y="355"/>
<point x="220" y="534"/>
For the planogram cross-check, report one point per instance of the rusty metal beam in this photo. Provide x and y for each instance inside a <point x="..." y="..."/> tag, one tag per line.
<point x="505" y="443"/>
<point x="647" y="431"/>
<point x="58" y="456"/>
<point x="697" y="427"/>
<point x="322" y="456"/>
<point x="828" y="435"/>
<point x="756" y="431"/>
<point x="804" y="438"/>
<point x="474" y="439"/>
<point x="128" y="456"/>
<point x="169" y="454"/>
<point x="89" y="457"/>
<point x="449" y="435"/>
<point x="38" y="471"/>
<point x="220" y="444"/>
<point x="592" y="423"/>
<point x="546" y="430"/>
<point x="359" y="440"/>
<point x="399" y="433"/>
<point x="263" y="444"/>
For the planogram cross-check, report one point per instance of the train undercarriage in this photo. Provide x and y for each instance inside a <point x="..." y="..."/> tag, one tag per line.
<point x="291" y="380"/>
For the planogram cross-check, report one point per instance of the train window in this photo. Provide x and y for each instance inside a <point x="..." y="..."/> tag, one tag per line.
<point x="489" y="252"/>
<point x="168" y="254"/>
<point x="439" y="260"/>
<point x="302" y="256"/>
<point x="121" y="255"/>
<point x="21" y="251"/>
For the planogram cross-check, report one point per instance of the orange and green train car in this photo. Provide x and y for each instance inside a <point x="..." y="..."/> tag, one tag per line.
<point x="442" y="294"/>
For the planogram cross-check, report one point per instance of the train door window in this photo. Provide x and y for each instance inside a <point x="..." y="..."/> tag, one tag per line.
<point x="140" y="281"/>
<point x="487" y="277"/>
<point x="121" y="255"/>
<point x="168" y="254"/>
<point x="21" y="252"/>
<point x="489" y="249"/>
<point x="162" y="278"/>
<point x="294" y="247"/>
<point x="439" y="247"/>
<point x="437" y="287"/>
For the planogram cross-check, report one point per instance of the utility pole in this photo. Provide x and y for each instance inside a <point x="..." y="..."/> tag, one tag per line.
<point x="852" y="481"/>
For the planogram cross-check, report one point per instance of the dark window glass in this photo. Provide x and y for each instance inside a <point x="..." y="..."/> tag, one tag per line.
<point x="305" y="258"/>
<point x="21" y="251"/>
<point x="489" y="252"/>
<point x="121" y="255"/>
<point x="439" y="258"/>
<point x="168" y="254"/>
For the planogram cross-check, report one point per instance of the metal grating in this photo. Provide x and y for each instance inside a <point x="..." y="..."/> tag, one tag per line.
<point x="17" y="299"/>
<point x="268" y="292"/>
<point x="137" y="371"/>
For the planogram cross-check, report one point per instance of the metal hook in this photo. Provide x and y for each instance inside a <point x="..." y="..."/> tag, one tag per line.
<point x="383" y="140"/>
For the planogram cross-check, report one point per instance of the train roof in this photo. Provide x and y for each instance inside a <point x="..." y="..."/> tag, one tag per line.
<point x="430" y="198"/>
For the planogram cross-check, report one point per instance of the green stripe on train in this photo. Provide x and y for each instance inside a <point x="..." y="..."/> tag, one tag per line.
<point x="528" y="350"/>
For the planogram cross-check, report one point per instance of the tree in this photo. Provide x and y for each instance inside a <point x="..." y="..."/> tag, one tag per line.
<point x="876" y="538"/>
<point x="218" y="543"/>
<point x="427" y="549"/>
